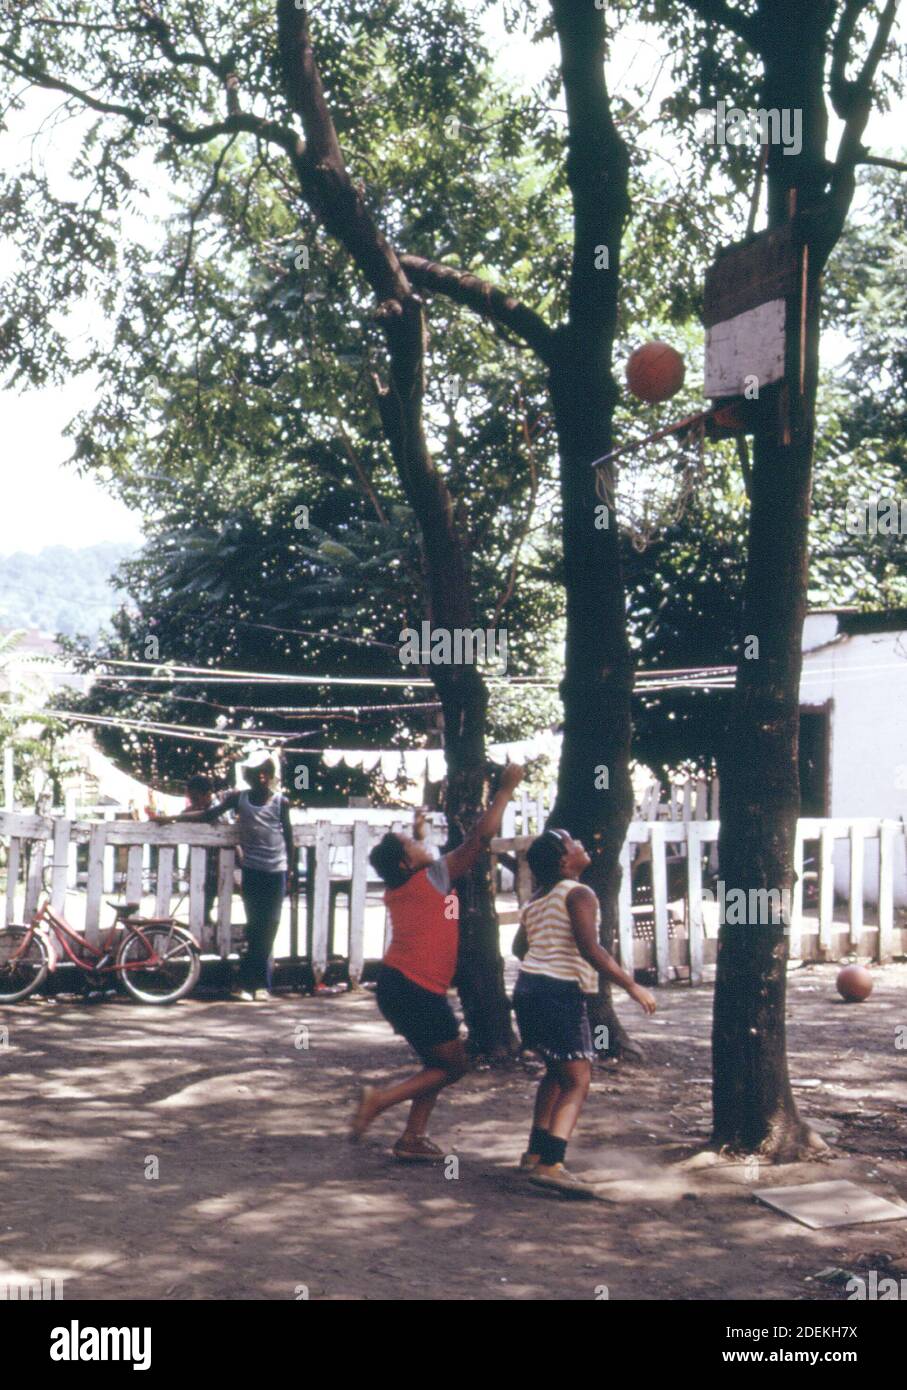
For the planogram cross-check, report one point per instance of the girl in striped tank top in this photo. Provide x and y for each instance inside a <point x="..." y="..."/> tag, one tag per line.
<point x="562" y="959"/>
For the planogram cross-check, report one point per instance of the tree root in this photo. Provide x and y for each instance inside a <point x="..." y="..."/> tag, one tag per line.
<point x="786" y="1142"/>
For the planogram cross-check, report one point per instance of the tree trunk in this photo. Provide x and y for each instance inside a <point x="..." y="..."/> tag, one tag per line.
<point x="754" y="1107"/>
<point x="480" y="969"/>
<point x="461" y="689"/>
<point x="339" y="205"/>
<point x="594" y="792"/>
<point x="594" y="795"/>
<point x="594" y="799"/>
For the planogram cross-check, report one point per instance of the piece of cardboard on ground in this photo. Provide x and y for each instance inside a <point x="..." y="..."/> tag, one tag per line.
<point x="839" y="1203"/>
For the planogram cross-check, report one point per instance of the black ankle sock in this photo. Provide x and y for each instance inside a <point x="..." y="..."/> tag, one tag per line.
<point x="537" y="1139"/>
<point x="552" y="1150"/>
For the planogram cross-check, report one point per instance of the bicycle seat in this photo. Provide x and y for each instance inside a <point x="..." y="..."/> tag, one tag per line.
<point x="125" y="909"/>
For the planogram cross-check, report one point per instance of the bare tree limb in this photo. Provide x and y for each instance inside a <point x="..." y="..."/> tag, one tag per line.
<point x="195" y="212"/>
<point x="881" y="162"/>
<point x="486" y="299"/>
<point x="360" y="472"/>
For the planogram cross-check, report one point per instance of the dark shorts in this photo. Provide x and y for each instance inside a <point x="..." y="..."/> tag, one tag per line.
<point x="424" y="1019"/>
<point x="552" y="1018"/>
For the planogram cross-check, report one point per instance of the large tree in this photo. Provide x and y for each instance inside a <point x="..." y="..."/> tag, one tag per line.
<point x="196" y="80"/>
<point x="573" y="260"/>
<point x="793" y="55"/>
<point x="594" y="796"/>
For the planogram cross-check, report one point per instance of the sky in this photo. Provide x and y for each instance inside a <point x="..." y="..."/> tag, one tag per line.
<point x="44" y="502"/>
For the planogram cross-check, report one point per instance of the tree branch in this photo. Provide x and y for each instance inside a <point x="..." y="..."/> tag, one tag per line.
<point x="271" y="131"/>
<point x="484" y="298"/>
<point x="858" y="96"/>
<point x="840" y="89"/>
<point x="340" y="207"/>
<point x="178" y="57"/>
<point x="322" y="171"/>
<point x="597" y="167"/>
<point x="881" y="162"/>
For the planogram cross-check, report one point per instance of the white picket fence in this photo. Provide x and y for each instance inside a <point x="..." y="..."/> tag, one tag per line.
<point x="689" y="798"/>
<point x="676" y="933"/>
<point x="673" y="930"/>
<point x="83" y="861"/>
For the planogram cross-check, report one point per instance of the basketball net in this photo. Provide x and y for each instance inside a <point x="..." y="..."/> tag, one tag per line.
<point x="648" y="484"/>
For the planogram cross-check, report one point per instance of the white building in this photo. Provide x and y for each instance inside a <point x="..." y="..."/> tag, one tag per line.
<point x="853" y="730"/>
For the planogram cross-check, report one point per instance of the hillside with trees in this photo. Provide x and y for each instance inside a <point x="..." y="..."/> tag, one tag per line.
<point x="63" y="589"/>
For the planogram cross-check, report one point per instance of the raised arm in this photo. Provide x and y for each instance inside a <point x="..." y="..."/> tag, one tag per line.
<point x="461" y="859"/>
<point x="229" y="803"/>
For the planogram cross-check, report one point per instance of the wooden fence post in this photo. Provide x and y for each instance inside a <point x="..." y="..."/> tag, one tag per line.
<point x="12" y="877"/>
<point x="826" y="887"/>
<point x="60" y="875"/>
<point x="658" y="836"/>
<point x="358" y="890"/>
<point x="35" y="883"/>
<point x="97" y="857"/>
<point x="794" y="946"/>
<point x="886" y="891"/>
<point x="321" y="904"/>
<point x="694" y="900"/>
<point x="226" y="869"/>
<point x="624" y="909"/>
<point x="857" y="874"/>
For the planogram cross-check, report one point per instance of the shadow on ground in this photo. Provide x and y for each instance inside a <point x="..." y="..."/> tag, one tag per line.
<point x="199" y="1152"/>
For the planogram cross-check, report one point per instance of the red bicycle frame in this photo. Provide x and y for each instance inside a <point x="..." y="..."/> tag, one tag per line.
<point x="101" y="959"/>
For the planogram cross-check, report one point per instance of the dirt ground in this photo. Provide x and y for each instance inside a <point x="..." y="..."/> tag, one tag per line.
<point x="259" y="1196"/>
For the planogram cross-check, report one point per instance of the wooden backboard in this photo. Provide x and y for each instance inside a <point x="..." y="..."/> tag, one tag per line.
<point x="749" y="308"/>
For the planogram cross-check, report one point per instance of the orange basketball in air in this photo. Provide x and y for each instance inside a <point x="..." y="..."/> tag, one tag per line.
<point x="655" y="372"/>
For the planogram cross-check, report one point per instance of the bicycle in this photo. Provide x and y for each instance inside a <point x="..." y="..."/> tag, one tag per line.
<point x="157" y="958"/>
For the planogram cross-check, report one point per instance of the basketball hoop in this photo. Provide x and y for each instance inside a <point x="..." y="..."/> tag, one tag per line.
<point x="648" y="483"/>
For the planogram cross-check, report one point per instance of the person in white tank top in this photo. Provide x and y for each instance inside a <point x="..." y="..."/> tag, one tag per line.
<point x="561" y="961"/>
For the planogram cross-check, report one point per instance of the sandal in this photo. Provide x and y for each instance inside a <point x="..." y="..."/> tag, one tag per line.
<point x="417" y="1149"/>
<point x="557" y="1179"/>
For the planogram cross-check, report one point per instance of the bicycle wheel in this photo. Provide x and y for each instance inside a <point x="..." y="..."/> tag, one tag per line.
<point x="159" y="963"/>
<point x="23" y="964"/>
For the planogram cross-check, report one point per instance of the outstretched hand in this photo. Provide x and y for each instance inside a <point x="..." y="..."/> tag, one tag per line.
<point x="512" y="776"/>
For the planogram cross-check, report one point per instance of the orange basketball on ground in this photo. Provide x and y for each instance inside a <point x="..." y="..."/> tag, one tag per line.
<point x="655" y="372"/>
<point x="854" y="983"/>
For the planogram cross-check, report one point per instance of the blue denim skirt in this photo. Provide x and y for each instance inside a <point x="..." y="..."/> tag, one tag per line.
<point x="552" y="1018"/>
